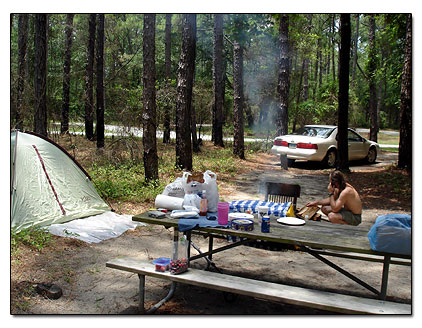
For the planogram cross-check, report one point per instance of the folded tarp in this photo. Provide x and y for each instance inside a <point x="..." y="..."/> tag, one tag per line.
<point x="97" y="228"/>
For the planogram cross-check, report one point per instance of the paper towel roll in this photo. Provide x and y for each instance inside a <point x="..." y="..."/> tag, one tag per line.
<point x="168" y="202"/>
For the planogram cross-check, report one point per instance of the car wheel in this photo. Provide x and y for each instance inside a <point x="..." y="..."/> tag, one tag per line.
<point x="372" y="155"/>
<point x="330" y="159"/>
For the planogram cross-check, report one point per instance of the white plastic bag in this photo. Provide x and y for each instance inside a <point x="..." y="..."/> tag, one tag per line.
<point x="196" y="185"/>
<point x="175" y="189"/>
<point x="210" y="184"/>
<point x="191" y="186"/>
<point x="192" y="200"/>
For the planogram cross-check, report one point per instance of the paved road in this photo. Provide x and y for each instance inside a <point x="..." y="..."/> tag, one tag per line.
<point x="391" y="133"/>
<point x="137" y="132"/>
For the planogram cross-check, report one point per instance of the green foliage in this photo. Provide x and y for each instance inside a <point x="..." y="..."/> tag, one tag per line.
<point x="125" y="182"/>
<point x="258" y="34"/>
<point x="34" y="237"/>
<point x="218" y="160"/>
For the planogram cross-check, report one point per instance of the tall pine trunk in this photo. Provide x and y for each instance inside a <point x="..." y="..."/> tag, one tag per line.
<point x="149" y="100"/>
<point x="405" y="147"/>
<point x="283" y="76"/>
<point x="100" y="81"/>
<point x="184" y="92"/>
<point x="373" y="132"/>
<point x="238" y="101"/>
<point x="316" y="69"/>
<point x="218" y="82"/>
<point x="166" y="134"/>
<point x="355" y="51"/>
<point x="306" y="64"/>
<point x="40" y="74"/>
<point x="64" y="128"/>
<point x="333" y="46"/>
<point x="22" y="54"/>
<point x="343" y="97"/>
<point x="89" y="79"/>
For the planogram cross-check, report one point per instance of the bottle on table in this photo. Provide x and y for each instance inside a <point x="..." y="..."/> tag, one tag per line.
<point x="204" y="204"/>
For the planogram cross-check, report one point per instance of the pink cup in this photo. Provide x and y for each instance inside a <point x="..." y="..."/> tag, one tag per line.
<point x="223" y="213"/>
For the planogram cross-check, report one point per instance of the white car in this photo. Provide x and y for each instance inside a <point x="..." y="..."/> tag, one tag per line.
<point x="319" y="143"/>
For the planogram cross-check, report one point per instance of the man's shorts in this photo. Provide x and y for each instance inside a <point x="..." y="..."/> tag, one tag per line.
<point x="350" y="218"/>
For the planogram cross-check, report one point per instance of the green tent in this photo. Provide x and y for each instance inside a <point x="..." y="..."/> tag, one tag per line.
<point x="47" y="185"/>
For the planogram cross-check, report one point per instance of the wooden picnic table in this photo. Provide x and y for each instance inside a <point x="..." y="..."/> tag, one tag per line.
<point x="318" y="238"/>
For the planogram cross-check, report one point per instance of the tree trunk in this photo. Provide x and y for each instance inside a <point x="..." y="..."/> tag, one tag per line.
<point x="372" y="81"/>
<point x="355" y="50"/>
<point x="298" y="99"/>
<point x="316" y="69"/>
<point x="343" y="97"/>
<point x="218" y="82"/>
<point x="40" y="74"/>
<point x="184" y="92"/>
<point x="283" y="76"/>
<point x="333" y="46"/>
<point x="405" y="147"/>
<point x="149" y="111"/>
<point x="306" y="64"/>
<point x="89" y="80"/>
<point x="238" y="101"/>
<point x="166" y="134"/>
<point x="321" y="69"/>
<point x="100" y="81"/>
<point x="22" y="54"/>
<point x="328" y="62"/>
<point x="195" y="140"/>
<point x="66" y="74"/>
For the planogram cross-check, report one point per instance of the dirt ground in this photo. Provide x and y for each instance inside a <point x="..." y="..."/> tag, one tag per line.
<point x="91" y="288"/>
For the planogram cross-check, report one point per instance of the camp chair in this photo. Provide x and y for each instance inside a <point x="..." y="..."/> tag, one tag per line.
<point x="282" y="193"/>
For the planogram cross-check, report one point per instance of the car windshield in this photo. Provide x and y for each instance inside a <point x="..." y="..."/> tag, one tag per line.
<point x="314" y="131"/>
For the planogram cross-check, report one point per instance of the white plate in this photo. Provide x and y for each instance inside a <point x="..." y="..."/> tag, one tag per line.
<point x="241" y="216"/>
<point x="291" y="221"/>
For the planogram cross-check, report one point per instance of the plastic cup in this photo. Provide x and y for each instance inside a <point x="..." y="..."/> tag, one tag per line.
<point x="223" y="213"/>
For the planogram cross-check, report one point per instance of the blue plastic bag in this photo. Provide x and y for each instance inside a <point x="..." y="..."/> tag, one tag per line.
<point x="392" y="233"/>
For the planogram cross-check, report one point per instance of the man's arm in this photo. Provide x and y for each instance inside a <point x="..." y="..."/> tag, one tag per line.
<point x="337" y="201"/>
<point x="323" y="202"/>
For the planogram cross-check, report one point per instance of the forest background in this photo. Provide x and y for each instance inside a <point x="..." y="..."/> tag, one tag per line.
<point x="311" y="72"/>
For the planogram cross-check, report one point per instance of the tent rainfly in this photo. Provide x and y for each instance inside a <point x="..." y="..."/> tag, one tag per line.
<point x="47" y="185"/>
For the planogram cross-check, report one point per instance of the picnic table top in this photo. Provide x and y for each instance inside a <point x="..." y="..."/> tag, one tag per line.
<point x="314" y="234"/>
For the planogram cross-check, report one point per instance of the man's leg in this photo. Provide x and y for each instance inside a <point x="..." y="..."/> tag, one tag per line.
<point x="326" y="209"/>
<point x="336" y="218"/>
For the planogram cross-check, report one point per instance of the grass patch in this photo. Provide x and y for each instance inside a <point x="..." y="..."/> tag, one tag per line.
<point x="385" y="139"/>
<point x="124" y="183"/>
<point x="34" y="237"/>
<point x="391" y="150"/>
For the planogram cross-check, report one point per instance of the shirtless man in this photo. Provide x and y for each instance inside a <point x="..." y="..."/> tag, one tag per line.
<point x="343" y="204"/>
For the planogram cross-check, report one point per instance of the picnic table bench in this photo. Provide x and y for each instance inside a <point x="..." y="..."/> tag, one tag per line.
<point x="319" y="239"/>
<point x="260" y="289"/>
